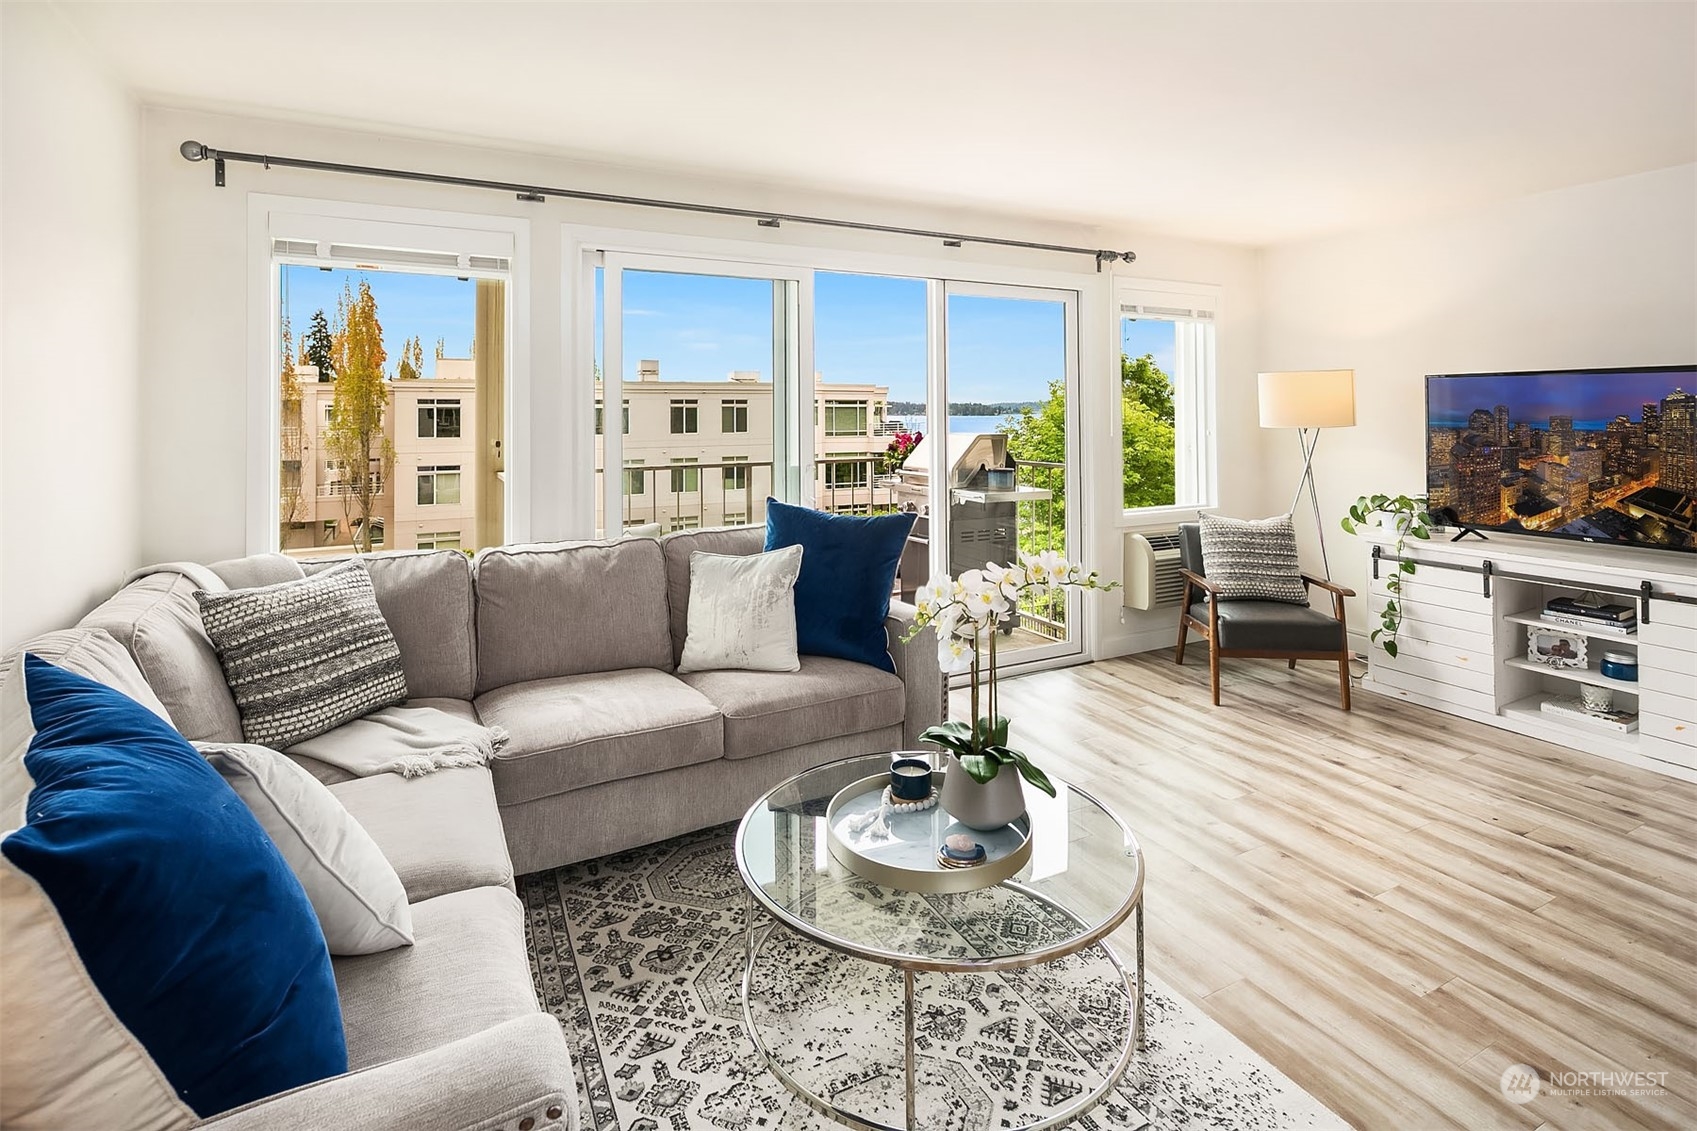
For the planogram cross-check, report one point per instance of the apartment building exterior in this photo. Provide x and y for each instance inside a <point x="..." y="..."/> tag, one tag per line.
<point x="427" y="500"/>
<point x="699" y="453"/>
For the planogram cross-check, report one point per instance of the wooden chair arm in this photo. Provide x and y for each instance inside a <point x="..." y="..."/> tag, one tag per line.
<point x="1328" y="586"/>
<point x="1200" y="582"/>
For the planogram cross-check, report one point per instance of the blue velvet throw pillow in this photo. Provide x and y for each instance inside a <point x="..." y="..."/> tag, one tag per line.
<point x="180" y="907"/>
<point x="848" y="567"/>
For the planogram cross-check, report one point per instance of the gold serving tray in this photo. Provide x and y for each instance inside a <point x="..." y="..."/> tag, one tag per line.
<point x="908" y="860"/>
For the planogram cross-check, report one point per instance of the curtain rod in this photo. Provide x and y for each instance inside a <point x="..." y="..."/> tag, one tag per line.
<point x="196" y="151"/>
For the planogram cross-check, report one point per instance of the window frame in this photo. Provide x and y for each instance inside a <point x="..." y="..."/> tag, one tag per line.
<point x="435" y="472"/>
<point x="435" y="406"/>
<point x="683" y="469"/>
<point x="828" y="410"/>
<point x="325" y="222"/>
<point x="734" y="409"/>
<point x="685" y="418"/>
<point x="1193" y="309"/>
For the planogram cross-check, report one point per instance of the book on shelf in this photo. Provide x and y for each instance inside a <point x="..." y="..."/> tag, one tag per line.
<point x="1574" y="709"/>
<point x="1613" y="628"/>
<point x="1568" y="606"/>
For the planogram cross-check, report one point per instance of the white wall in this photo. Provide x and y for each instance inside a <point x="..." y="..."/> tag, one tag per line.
<point x="70" y="432"/>
<point x="1604" y="274"/>
<point x="196" y="308"/>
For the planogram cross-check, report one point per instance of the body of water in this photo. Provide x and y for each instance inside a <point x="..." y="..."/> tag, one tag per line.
<point x="956" y="423"/>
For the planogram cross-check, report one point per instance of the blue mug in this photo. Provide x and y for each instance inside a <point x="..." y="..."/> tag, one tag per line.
<point x="910" y="778"/>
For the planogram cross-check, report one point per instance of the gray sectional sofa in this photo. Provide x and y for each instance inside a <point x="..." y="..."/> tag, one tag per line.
<point x="572" y="647"/>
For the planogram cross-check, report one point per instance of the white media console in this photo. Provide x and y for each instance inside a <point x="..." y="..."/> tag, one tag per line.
<point x="1462" y="644"/>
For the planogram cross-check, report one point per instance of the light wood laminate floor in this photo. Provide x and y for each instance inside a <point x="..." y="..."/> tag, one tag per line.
<point x="1392" y="905"/>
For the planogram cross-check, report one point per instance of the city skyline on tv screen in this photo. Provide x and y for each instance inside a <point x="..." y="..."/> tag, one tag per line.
<point x="1604" y="455"/>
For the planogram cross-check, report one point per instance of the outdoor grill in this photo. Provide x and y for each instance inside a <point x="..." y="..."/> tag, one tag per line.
<point x="984" y="523"/>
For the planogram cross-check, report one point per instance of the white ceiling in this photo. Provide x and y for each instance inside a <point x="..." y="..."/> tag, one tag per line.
<point x="1250" y="123"/>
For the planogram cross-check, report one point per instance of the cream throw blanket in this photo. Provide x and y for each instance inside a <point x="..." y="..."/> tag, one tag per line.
<point x="410" y="741"/>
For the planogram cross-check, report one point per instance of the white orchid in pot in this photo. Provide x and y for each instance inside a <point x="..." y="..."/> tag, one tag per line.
<point x="969" y="613"/>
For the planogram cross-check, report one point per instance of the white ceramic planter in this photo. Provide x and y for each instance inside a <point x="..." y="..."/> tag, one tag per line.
<point x="982" y="805"/>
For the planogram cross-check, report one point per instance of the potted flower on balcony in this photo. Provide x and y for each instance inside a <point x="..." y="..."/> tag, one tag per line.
<point x="897" y="452"/>
<point x="968" y="613"/>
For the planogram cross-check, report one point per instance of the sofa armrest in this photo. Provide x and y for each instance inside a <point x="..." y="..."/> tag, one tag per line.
<point x="500" y="1077"/>
<point x="916" y="664"/>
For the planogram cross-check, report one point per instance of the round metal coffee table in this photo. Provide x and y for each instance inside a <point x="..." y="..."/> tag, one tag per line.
<point x="1085" y="875"/>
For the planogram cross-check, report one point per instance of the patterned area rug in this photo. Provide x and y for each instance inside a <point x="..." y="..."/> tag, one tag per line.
<point x="640" y="956"/>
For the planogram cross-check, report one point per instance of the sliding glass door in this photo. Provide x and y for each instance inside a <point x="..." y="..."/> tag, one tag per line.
<point x="695" y="402"/>
<point x="952" y="400"/>
<point x="1006" y="405"/>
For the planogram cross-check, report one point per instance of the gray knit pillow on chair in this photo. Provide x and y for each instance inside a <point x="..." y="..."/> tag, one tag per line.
<point x="304" y="657"/>
<point x="1253" y="559"/>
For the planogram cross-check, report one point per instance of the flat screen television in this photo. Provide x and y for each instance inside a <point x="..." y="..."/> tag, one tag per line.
<point x="1602" y="455"/>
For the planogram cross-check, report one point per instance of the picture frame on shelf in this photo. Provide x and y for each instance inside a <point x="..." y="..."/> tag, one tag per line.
<point x="1555" y="648"/>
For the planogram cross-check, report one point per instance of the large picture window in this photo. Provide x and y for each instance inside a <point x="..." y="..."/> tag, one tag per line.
<point x="390" y="366"/>
<point x="1166" y="372"/>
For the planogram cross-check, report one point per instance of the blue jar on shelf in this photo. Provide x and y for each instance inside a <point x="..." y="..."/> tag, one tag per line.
<point x="1620" y="665"/>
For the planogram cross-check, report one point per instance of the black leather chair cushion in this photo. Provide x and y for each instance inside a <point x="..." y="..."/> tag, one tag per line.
<point x="1273" y="626"/>
<point x="1190" y="547"/>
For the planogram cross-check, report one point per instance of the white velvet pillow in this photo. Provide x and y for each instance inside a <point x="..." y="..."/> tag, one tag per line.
<point x="360" y="902"/>
<point x="742" y="612"/>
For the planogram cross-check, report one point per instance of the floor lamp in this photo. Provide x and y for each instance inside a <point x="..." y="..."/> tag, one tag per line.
<point x="1309" y="400"/>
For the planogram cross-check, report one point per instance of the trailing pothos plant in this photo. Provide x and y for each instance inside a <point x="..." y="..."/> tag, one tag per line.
<point x="1406" y="516"/>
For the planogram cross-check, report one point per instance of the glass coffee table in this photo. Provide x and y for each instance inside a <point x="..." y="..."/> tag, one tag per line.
<point x="1084" y="878"/>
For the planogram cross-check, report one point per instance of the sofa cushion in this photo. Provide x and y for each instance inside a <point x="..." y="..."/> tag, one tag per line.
<point x="1253" y="559"/>
<point x="570" y="608"/>
<point x="359" y="900"/>
<point x="441" y="831"/>
<point x="767" y="711"/>
<point x="466" y="971"/>
<point x="848" y="569"/>
<point x="1274" y="626"/>
<point x="157" y="620"/>
<point x="742" y="612"/>
<point x="303" y="657"/>
<point x="182" y="911"/>
<point x="88" y="652"/>
<point x="426" y="597"/>
<point x="256" y="570"/>
<point x="679" y="548"/>
<point x="577" y="731"/>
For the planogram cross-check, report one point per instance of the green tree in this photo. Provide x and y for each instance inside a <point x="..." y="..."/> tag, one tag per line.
<point x="355" y="439"/>
<point x="318" y="346"/>
<point x="1147" y="437"/>
<point x="1038" y="435"/>
<point x="411" y="365"/>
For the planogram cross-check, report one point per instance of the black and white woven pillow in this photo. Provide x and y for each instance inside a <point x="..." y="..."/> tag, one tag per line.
<point x="1253" y="559"/>
<point x="304" y="657"/>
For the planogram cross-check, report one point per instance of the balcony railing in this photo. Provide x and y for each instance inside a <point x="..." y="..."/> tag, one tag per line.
<point x="732" y="493"/>
<point x="335" y="489"/>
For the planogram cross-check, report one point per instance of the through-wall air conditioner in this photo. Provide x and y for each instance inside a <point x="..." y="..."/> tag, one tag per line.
<point x="1152" y="579"/>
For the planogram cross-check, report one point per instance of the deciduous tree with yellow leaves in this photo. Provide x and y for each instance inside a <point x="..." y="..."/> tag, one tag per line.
<point x="355" y="439"/>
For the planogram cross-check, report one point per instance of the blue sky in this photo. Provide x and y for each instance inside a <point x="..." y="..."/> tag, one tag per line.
<point x="429" y="306"/>
<point x="868" y="328"/>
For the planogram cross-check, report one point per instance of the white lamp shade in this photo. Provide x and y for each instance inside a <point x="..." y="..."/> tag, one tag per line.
<point x="1309" y="398"/>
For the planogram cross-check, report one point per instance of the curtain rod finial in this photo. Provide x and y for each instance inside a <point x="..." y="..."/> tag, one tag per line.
<point x="192" y="151"/>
